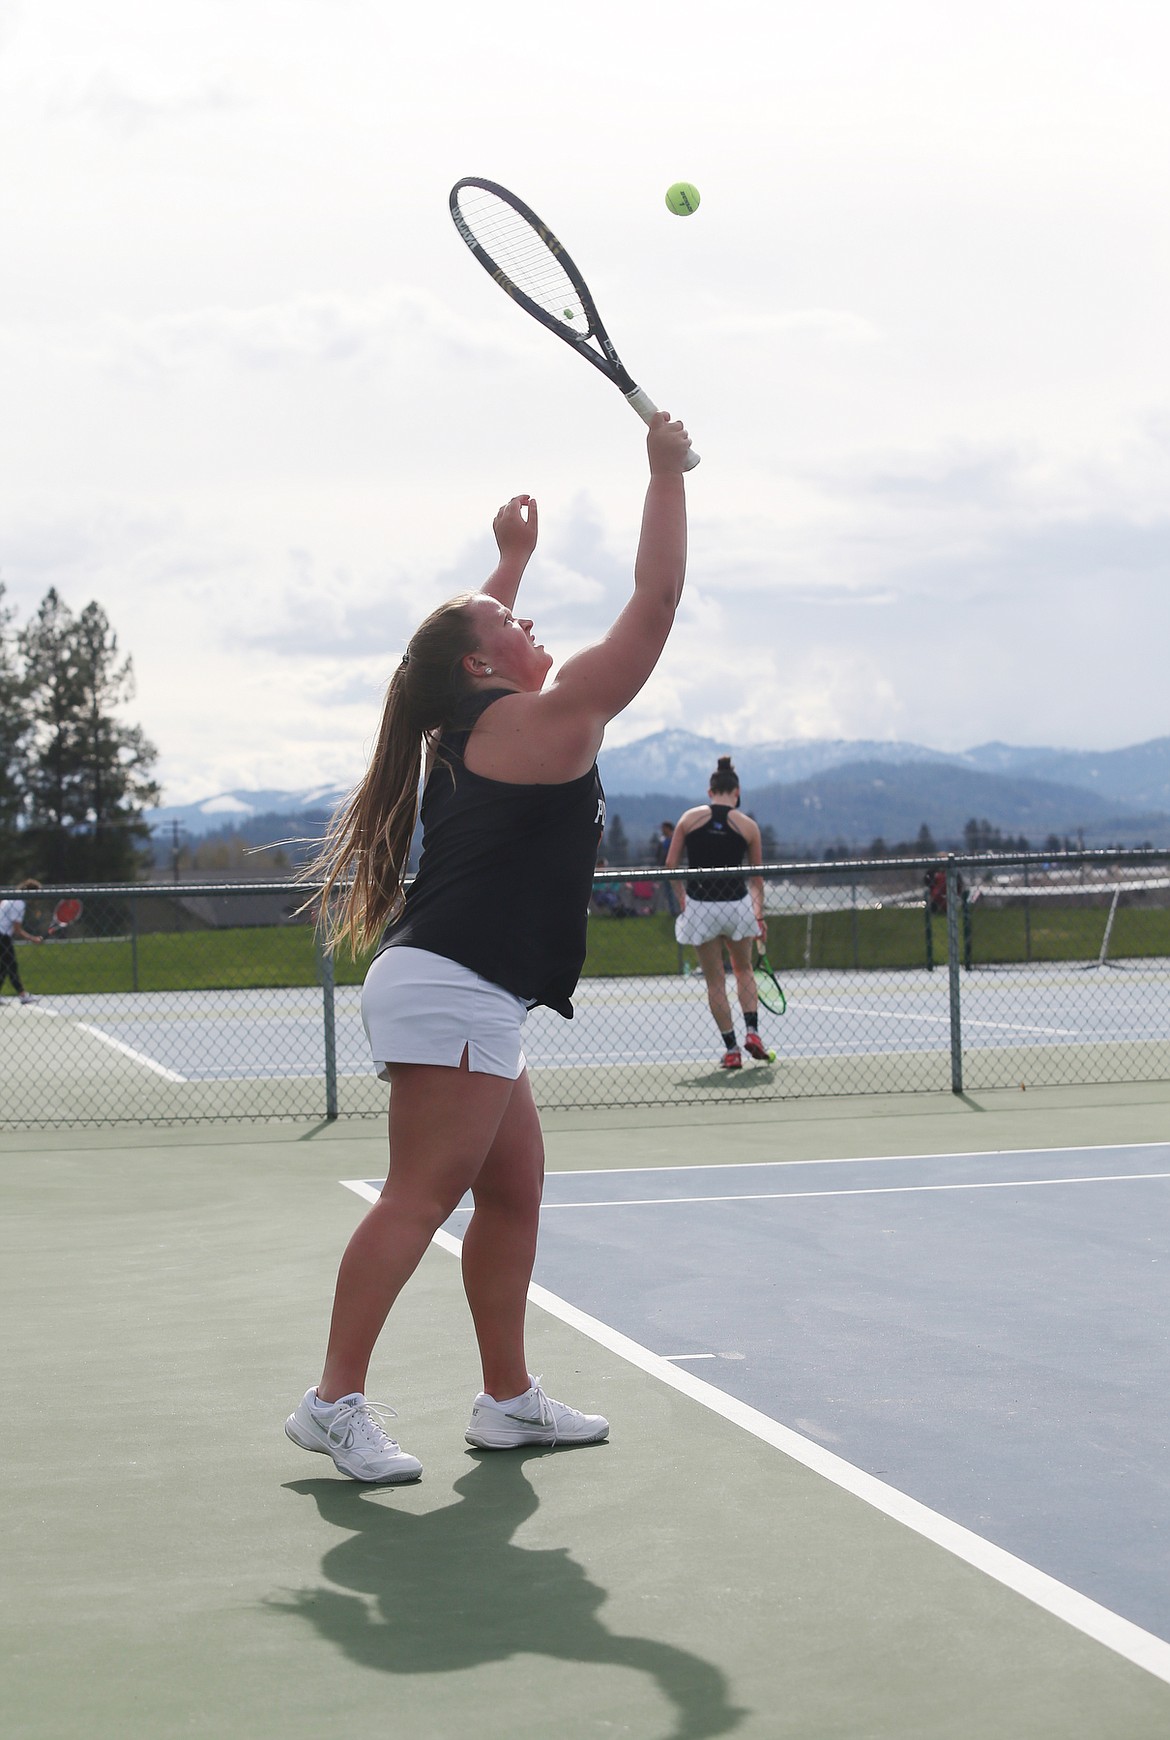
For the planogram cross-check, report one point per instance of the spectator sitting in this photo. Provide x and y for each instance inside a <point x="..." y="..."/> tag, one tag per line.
<point x="606" y="896"/>
<point x="640" y="894"/>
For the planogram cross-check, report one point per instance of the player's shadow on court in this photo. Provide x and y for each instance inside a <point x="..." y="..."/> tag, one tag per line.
<point x="736" y="1081"/>
<point x="448" y="1590"/>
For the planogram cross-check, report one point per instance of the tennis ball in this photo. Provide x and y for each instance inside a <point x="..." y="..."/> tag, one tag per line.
<point x="682" y="198"/>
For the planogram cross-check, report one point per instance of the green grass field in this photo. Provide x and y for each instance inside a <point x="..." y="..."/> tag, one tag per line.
<point x="277" y="955"/>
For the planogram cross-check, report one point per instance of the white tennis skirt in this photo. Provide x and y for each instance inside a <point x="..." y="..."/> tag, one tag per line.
<point x="419" y="1007"/>
<point x="702" y="921"/>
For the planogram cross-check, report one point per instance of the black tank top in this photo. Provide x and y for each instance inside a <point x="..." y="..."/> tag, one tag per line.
<point x="506" y="871"/>
<point x="712" y="846"/>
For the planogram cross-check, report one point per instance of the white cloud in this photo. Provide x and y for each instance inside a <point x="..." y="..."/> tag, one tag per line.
<point x="124" y="106"/>
<point x="828" y="326"/>
<point x="259" y="401"/>
<point x="385" y="328"/>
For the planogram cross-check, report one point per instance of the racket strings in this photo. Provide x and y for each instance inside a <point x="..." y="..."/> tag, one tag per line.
<point x="524" y="256"/>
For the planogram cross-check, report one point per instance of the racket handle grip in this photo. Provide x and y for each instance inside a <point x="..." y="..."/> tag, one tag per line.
<point x="647" y="409"/>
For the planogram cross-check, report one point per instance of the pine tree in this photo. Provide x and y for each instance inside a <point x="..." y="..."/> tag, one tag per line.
<point x="13" y="734"/>
<point x="88" y="774"/>
<point x="617" y="845"/>
<point x="116" y="759"/>
<point x="53" y="693"/>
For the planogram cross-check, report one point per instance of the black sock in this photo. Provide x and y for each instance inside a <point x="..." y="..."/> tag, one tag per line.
<point x="729" y="1040"/>
<point x="751" y="1018"/>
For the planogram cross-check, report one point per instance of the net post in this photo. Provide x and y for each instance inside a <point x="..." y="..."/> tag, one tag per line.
<point x="325" y="968"/>
<point x="953" y="974"/>
<point x="133" y="944"/>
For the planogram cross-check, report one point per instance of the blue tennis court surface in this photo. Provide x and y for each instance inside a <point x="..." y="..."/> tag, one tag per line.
<point x="986" y="1333"/>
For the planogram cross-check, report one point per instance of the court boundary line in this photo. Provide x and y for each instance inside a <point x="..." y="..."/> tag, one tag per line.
<point x="851" y="1160"/>
<point x="1137" y="1646"/>
<point x="865" y="1190"/>
<point x="129" y="1051"/>
<point x="944" y="1020"/>
<point x="114" y="1044"/>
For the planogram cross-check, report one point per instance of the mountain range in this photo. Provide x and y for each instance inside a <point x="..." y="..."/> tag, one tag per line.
<point x="816" y="793"/>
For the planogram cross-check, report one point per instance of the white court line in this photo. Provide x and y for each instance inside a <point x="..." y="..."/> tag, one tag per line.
<point x="851" y="1160"/>
<point x="939" y="1020"/>
<point x="866" y="1190"/>
<point x="128" y="1051"/>
<point x="1084" y="1615"/>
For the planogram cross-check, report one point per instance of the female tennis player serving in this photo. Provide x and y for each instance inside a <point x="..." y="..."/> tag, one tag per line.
<point x="493" y="924"/>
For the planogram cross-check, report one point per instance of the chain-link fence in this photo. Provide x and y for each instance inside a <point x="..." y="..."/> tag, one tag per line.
<point x="180" y="1003"/>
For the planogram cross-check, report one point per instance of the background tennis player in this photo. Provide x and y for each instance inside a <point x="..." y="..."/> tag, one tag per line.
<point x="12" y="931"/>
<point x="719" y="912"/>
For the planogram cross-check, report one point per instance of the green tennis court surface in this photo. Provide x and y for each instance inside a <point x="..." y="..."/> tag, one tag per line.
<point x="173" y="1566"/>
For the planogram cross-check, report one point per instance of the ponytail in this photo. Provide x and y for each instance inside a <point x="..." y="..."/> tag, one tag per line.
<point x="362" y="862"/>
<point x="724" y="780"/>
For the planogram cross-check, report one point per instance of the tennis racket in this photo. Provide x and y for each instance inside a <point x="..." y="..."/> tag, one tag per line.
<point x="768" y="985"/>
<point x="65" y="913"/>
<point x="528" y="262"/>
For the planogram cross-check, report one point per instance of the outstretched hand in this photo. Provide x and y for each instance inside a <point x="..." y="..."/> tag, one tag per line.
<point x="516" y="535"/>
<point x="667" y="444"/>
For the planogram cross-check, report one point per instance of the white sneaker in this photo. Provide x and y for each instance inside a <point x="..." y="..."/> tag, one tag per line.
<point x="350" y="1430"/>
<point x="27" y="997"/>
<point x="534" y="1419"/>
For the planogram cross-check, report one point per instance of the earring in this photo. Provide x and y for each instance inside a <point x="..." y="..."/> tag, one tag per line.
<point x="487" y="670"/>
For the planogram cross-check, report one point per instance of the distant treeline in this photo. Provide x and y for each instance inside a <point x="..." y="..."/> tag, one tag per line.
<point x="276" y="847"/>
<point x="979" y="835"/>
<point x="259" y="848"/>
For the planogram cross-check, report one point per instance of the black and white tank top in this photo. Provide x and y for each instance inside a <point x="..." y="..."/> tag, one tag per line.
<point x="711" y="847"/>
<point x="505" y="874"/>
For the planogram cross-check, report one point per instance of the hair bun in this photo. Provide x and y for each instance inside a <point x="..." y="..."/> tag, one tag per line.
<point x="724" y="764"/>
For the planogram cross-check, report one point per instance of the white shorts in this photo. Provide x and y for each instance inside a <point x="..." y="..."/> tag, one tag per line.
<point x="702" y="921"/>
<point x="419" y="1007"/>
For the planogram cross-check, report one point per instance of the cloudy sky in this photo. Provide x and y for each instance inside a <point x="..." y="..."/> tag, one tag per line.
<point x="258" y="400"/>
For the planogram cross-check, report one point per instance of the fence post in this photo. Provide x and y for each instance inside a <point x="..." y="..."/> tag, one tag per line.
<point x="965" y="903"/>
<point x="325" y="967"/>
<point x="133" y="944"/>
<point x="953" y="973"/>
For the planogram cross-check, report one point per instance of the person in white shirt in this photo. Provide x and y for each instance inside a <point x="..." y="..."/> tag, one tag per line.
<point x="12" y="930"/>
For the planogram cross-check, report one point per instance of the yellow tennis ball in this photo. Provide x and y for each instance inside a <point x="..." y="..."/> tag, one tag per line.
<point x="682" y="198"/>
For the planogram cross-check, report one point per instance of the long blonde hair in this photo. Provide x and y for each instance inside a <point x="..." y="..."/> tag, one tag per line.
<point x="362" y="862"/>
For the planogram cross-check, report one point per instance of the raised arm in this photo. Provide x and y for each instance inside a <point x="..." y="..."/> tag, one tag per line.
<point x="594" y="685"/>
<point x="515" y="528"/>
